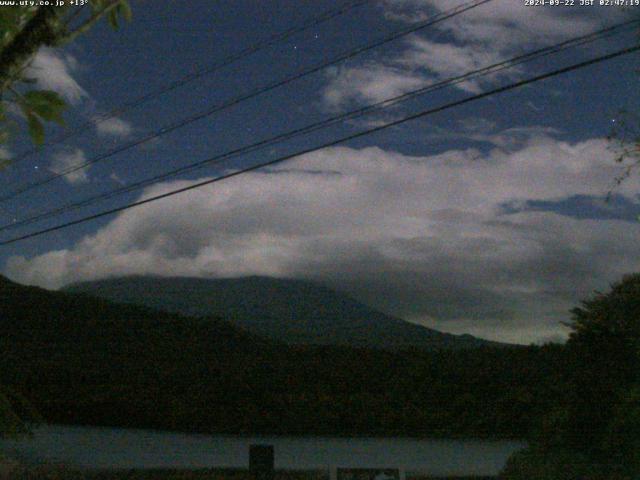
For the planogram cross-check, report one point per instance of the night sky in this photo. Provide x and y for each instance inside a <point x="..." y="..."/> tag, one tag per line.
<point x="490" y="218"/>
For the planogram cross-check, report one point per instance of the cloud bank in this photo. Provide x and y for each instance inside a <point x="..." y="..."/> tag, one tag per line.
<point x="425" y="238"/>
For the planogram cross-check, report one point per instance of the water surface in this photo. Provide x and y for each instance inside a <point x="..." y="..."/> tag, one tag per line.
<point x="95" y="447"/>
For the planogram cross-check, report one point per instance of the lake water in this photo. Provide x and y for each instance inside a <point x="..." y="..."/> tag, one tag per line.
<point x="127" y="448"/>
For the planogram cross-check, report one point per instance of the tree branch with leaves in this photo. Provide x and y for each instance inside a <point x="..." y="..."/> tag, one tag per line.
<point x="24" y="31"/>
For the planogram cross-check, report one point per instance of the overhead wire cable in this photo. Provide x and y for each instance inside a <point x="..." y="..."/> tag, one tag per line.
<point x="176" y="84"/>
<point x="332" y="143"/>
<point x="488" y="70"/>
<point x="239" y="99"/>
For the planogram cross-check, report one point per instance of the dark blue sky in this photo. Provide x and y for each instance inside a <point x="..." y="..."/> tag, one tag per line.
<point x="569" y="114"/>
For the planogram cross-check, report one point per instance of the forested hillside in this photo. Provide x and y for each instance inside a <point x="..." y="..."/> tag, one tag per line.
<point x="83" y="360"/>
<point x="287" y="310"/>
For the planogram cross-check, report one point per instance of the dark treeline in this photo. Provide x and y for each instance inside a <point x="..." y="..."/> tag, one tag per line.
<point x="592" y="430"/>
<point x="82" y="360"/>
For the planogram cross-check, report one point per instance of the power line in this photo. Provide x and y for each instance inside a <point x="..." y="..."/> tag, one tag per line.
<point x="491" y="69"/>
<point x="332" y="143"/>
<point x="224" y="62"/>
<point x="606" y="32"/>
<point x="254" y="93"/>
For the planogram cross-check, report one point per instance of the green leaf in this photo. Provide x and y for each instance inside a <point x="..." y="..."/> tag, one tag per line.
<point x="11" y="20"/>
<point x="46" y="104"/>
<point x="36" y="129"/>
<point x="121" y="10"/>
<point x="124" y="10"/>
<point x="45" y="97"/>
<point x="113" y="18"/>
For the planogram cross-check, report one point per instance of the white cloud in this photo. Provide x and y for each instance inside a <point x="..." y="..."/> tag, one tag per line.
<point x="368" y="84"/>
<point x="113" y="126"/>
<point x="70" y="160"/>
<point x="477" y="38"/>
<point x="421" y="237"/>
<point x="505" y="24"/>
<point x="53" y="71"/>
<point x="448" y="60"/>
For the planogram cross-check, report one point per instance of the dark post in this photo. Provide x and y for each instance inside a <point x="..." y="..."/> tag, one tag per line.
<point x="261" y="463"/>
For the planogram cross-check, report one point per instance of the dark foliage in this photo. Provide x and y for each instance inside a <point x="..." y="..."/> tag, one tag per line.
<point x="593" y="432"/>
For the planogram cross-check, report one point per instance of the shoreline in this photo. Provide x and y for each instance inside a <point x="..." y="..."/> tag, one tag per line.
<point x="53" y="472"/>
<point x="281" y="435"/>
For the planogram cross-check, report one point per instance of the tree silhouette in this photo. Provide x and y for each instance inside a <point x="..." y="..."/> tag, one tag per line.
<point x="26" y="29"/>
<point x="595" y="426"/>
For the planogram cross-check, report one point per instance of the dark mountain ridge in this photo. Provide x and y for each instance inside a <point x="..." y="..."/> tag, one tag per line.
<point x="287" y="310"/>
<point x="84" y="360"/>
